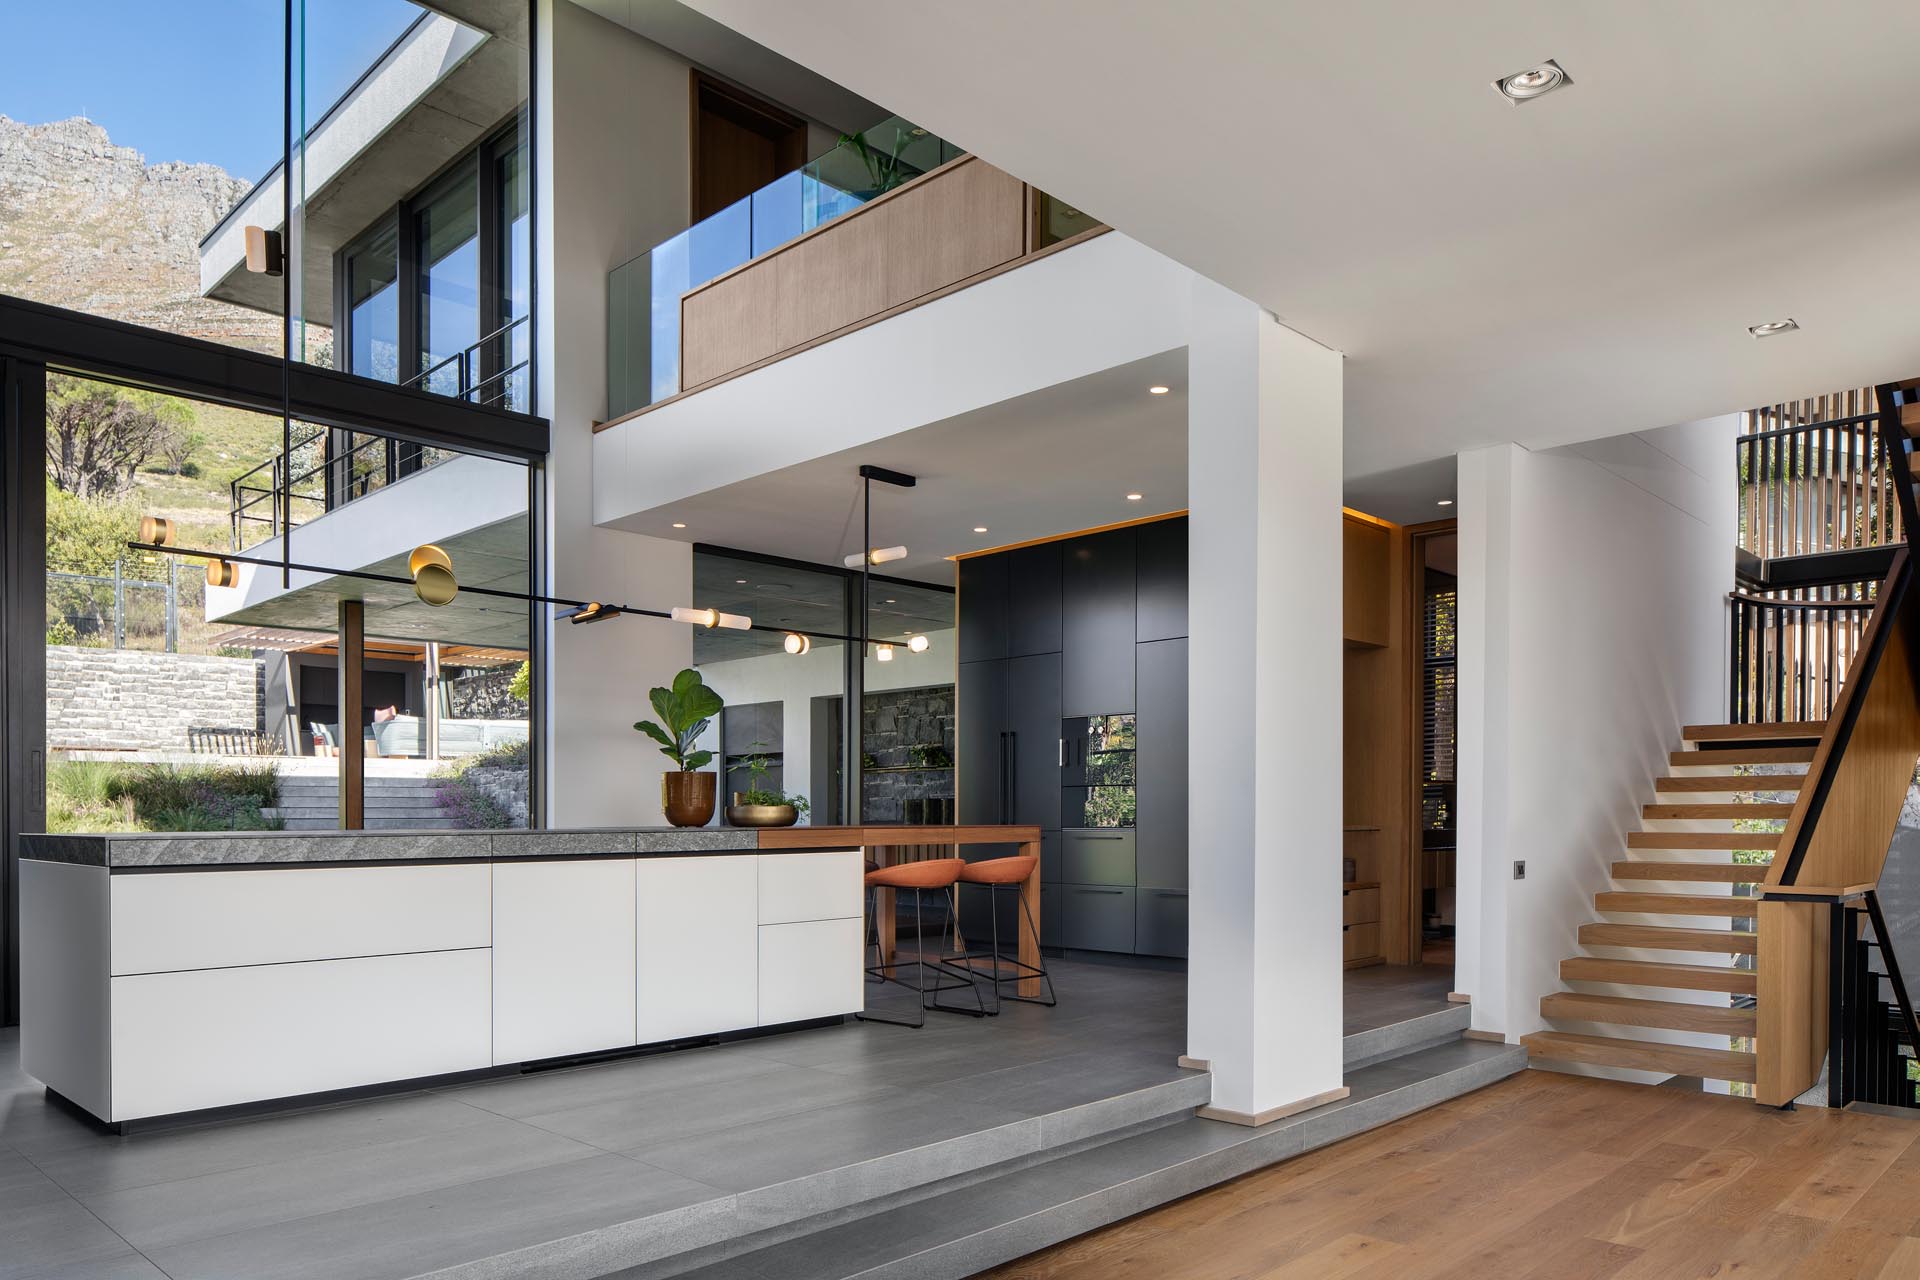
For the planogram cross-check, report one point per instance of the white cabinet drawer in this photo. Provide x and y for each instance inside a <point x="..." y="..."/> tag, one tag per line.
<point x="176" y="920"/>
<point x="810" y="886"/>
<point x="698" y="941"/>
<point x="562" y="957"/>
<point x="218" y="1037"/>
<point x="810" y="970"/>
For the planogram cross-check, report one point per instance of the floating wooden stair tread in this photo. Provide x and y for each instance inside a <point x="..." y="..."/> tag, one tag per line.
<point x="1677" y="904"/>
<point x="1714" y="757"/>
<point x="1784" y="731"/>
<point x="1727" y="783"/>
<point x="1654" y="937"/>
<point x="1691" y="812"/>
<point x="1757" y="840"/>
<point x="1628" y="1012"/>
<point x="1659" y="973"/>
<point x="1709" y="872"/>
<point x="1910" y="418"/>
<point x="1607" y="1051"/>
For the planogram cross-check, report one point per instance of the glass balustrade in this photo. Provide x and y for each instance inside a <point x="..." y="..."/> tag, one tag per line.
<point x="643" y="295"/>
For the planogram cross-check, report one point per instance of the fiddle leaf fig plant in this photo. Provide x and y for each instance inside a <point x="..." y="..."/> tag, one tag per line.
<point x="686" y="711"/>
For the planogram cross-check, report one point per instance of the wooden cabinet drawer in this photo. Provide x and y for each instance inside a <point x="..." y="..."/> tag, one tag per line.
<point x="1359" y="941"/>
<point x="810" y="886"/>
<point x="1360" y="906"/>
<point x="173" y="921"/>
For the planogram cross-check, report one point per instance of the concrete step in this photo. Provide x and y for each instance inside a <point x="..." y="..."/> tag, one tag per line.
<point x="960" y="1231"/>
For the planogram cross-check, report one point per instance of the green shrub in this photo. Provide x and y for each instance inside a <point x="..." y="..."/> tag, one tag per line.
<point x="103" y="796"/>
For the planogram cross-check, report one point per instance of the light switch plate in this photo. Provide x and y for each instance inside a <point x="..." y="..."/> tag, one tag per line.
<point x="1520" y="870"/>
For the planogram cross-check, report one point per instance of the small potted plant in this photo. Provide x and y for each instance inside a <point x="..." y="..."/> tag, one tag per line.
<point x="686" y="710"/>
<point x="761" y="805"/>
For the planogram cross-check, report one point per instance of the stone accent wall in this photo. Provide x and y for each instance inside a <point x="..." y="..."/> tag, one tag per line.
<point x="480" y="693"/>
<point x="896" y="721"/>
<point x="131" y="700"/>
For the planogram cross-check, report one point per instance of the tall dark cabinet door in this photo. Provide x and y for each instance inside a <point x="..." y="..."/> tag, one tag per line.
<point x="982" y="606"/>
<point x="980" y="741"/>
<point x="1033" y="600"/>
<point x="1097" y="624"/>
<point x="1033" y="713"/>
<point x="1161" y="572"/>
<point x="1161" y="759"/>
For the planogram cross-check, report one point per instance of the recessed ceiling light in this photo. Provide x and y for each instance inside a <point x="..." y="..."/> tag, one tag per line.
<point x="678" y="525"/>
<point x="1158" y="391"/>
<point x="1525" y="86"/>
<point x="979" y="528"/>
<point x="1135" y="497"/>
<point x="1772" y="327"/>
<point x="1445" y="502"/>
<point x="739" y="582"/>
<point x="889" y="600"/>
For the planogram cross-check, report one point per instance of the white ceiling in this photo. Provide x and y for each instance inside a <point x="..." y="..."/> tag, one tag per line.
<point x="1579" y="266"/>
<point x="1035" y="466"/>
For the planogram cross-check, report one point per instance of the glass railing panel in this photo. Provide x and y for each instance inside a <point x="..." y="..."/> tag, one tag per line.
<point x="718" y="244"/>
<point x="778" y="212"/>
<point x="669" y="269"/>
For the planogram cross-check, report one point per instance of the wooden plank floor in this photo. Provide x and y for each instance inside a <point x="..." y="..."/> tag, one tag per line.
<point x="1546" y="1176"/>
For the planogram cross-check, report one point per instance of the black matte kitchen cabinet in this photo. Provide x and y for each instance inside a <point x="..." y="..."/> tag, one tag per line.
<point x="980" y="730"/>
<point x="982" y="606"/>
<point x="1097" y="624"/>
<point x="1033" y="716"/>
<point x="1033" y="600"/>
<point x="1160" y="561"/>
<point x="1160" y="764"/>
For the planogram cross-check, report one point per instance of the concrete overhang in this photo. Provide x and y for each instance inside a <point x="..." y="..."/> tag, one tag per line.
<point x="458" y="72"/>
<point x="473" y="508"/>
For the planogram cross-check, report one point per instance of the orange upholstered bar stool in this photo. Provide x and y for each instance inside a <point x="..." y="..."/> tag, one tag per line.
<point x="931" y="875"/>
<point x="998" y="874"/>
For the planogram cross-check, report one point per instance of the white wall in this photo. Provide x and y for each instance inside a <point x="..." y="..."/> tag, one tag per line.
<point x="795" y="682"/>
<point x="1592" y="586"/>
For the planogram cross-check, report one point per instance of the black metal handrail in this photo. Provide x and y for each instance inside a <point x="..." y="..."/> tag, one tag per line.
<point x="1790" y="657"/>
<point x="464" y="362"/>
<point x="1866" y="1034"/>
<point x="1823" y="482"/>
<point x="343" y="485"/>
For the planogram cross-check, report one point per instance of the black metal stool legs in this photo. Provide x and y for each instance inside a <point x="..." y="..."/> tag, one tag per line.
<point x="1000" y="962"/>
<point x="888" y="971"/>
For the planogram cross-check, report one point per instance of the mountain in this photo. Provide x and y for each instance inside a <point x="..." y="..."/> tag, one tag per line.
<point x="92" y="226"/>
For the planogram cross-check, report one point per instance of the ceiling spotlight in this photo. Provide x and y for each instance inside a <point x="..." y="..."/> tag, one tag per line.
<point x="678" y="525"/>
<point x="711" y="618"/>
<point x="1525" y="86"/>
<point x="1772" y="327"/>
<point x="919" y="644"/>
<point x="883" y="653"/>
<point x="979" y="528"/>
<point x="890" y="600"/>
<point x="739" y="582"/>
<point x="1158" y="390"/>
<point x="1445" y="502"/>
<point x="432" y="572"/>
<point x="879" y="555"/>
<point x="595" y="612"/>
<point x="796" y="644"/>
<point x="1135" y="497"/>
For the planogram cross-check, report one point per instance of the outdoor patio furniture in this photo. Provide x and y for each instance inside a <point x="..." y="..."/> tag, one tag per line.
<point x="225" y="741"/>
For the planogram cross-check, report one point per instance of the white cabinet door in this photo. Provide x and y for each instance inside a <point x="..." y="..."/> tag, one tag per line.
<point x="810" y="970"/>
<point x="810" y="886"/>
<point x="696" y="958"/>
<point x="562" y="957"/>
<point x="218" y="919"/>
<point x="216" y="1037"/>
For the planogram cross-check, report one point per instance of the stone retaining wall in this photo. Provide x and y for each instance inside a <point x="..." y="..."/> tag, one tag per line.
<point x="132" y="700"/>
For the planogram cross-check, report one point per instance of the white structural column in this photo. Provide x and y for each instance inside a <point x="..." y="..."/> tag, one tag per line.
<point x="1264" y="477"/>
<point x="602" y="197"/>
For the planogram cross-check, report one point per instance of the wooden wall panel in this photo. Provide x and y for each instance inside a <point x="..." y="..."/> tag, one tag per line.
<point x="1378" y="746"/>
<point x="1366" y="556"/>
<point x="1790" y="1005"/>
<point x="936" y="232"/>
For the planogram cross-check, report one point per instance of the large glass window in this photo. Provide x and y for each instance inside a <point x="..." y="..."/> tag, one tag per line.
<point x="372" y="269"/>
<point x="508" y="382"/>
<point x="447" y="231"/>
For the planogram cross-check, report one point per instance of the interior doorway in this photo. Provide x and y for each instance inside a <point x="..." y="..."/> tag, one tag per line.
<point x="1435" y="646"/>
<point x="740" y="143"/>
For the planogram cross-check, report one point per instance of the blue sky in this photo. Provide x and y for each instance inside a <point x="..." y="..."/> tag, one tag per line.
<point x="194" y="80"/>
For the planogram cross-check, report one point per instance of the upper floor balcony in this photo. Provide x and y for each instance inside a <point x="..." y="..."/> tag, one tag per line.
<point x="889" y="218"/>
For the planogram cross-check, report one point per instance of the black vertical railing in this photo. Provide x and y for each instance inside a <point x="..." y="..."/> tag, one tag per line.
<point x="1871" y="1038"/>
<point x="1816" y="477"/>
<point x="1789" y="657"/>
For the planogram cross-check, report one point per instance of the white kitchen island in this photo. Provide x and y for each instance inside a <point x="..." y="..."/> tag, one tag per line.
<point x="171" y="974"/>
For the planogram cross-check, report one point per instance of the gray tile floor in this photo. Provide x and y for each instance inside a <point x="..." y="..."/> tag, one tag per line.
<point x="406" y="1184"/>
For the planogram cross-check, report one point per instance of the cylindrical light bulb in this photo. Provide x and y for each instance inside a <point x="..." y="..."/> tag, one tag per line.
<point x="883" y="653"/>
<point x="734" y="621"/>
<point x="878" y="555"/>
<point x="797" y="643"/>
<point x="919" y="644"/>
<point x="696" y="617"/>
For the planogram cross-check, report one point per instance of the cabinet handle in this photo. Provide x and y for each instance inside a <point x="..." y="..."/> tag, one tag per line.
<point x="1099" y="891"/>
<point x="1078" y="836"/>
<point x="1168" y="893"/>
<point x="1345" y="927"/>
<point x="1062" y="762"/>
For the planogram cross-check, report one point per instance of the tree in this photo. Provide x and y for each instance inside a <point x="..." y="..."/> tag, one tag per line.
<point x="98" y="436"/>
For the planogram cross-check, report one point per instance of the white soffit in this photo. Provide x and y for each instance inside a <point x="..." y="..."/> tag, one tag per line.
<point x="1578" y="266"/>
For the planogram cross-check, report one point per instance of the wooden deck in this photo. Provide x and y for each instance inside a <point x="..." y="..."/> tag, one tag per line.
<point x="1547" y="1175"/>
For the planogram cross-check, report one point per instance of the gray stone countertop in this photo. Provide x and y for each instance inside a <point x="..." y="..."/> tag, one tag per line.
<point x="273" y="848"/>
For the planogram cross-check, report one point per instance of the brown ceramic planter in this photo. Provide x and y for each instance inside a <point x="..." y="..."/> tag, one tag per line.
<point x="688" y="797"/>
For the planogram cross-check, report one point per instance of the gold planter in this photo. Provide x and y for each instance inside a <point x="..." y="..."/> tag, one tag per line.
<point x="688" y="798"/>
<point x="760" y="815"/>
